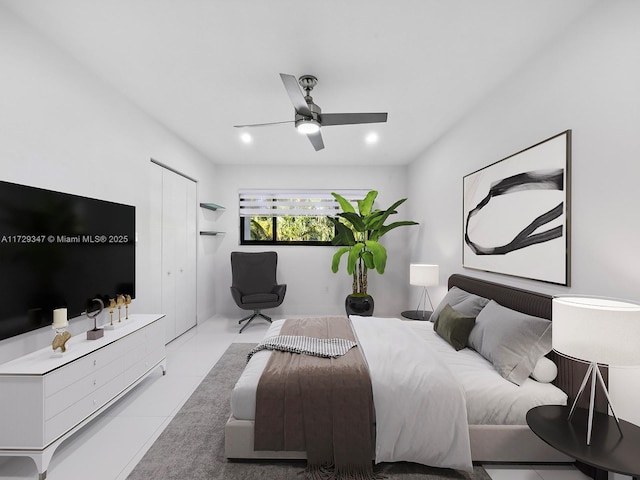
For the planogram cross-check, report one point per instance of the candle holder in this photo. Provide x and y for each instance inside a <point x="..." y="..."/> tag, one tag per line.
<point x="60" y="324"/>
<point x="60" y="340"/>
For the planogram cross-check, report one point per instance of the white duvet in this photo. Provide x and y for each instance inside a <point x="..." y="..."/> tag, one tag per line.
<point x="421" y="413"/>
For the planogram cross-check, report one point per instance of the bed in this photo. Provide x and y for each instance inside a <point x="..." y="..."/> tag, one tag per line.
<point x="498" y="435"/>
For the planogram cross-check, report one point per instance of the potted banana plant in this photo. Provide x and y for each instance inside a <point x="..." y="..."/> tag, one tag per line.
<point x="358" y="234"/>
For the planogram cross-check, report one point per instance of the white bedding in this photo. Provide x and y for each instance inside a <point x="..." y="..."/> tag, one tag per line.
<point x="420" y="412"/>
<point x="404" y="430"/>
<point x="491" y="400"/>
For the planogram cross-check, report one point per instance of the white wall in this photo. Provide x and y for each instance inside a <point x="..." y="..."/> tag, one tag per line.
<point x="311" y="286"/>
<point x="587" y="81"/>
<point x="62" y="129"/>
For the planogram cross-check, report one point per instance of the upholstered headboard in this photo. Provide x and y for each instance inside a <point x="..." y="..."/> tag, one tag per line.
<point x="570" y="373"/>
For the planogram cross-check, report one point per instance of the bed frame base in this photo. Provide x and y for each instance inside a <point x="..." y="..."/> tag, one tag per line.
<point x="489" y="443"/>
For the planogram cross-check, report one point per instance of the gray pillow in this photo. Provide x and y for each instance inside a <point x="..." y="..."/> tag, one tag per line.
<point x="512" y="341"/>
<point x="464" y="302"/>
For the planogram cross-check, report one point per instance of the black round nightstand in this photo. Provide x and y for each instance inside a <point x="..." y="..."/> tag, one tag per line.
<point x="417" y="314"/>
<point x="608" y="450"/>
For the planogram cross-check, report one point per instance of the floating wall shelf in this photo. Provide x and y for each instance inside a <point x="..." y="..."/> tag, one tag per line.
<point x="211" y="206"/>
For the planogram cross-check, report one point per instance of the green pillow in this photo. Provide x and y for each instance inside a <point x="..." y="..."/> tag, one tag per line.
<point x="454" y="327"/>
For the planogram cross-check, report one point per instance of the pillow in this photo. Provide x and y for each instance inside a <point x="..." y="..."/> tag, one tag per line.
<point x="454" y="327"/>
<point x="545" y="371"/>
<point x="512" y="341"/>
<point x="464" y="302"/>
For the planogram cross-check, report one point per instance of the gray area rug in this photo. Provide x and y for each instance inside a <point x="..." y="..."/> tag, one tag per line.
<point x="192" y="445"/>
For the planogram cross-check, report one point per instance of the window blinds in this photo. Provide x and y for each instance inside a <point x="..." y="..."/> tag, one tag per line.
<point x="270" y="203"/>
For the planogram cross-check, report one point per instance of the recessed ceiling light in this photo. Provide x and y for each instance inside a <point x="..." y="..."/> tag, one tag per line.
<point x="246" y="138"/>
<point x="371" y="138"/>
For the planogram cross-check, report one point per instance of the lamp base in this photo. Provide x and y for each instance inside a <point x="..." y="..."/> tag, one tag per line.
<point x="424" y="296"/>
<point x="594" y="372"/>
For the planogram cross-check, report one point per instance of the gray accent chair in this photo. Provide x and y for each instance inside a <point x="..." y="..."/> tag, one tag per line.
<point x="253" y="283"/>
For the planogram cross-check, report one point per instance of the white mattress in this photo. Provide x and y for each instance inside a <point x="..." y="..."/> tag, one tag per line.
<point x="491" y="400"/>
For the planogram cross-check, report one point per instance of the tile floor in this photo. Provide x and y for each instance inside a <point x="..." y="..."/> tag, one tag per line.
<point x="110" y="446"/>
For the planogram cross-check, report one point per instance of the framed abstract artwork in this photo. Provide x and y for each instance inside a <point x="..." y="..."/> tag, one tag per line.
<point x="516" y="213"/>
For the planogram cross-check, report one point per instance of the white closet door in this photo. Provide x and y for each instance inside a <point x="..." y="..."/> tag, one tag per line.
<point x="178" y="253"/>
<point x="186" y="259"/>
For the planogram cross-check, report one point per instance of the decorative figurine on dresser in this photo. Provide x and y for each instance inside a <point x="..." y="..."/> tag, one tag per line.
<point x="60" y="324"/>
<point x="96" y="332"/>
<point x="119" y="303"/>
<point x="127" y="302"/>
<point x="112" y="307"/>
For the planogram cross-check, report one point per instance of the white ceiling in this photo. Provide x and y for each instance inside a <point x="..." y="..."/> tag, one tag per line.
<point x="201" y="66"/>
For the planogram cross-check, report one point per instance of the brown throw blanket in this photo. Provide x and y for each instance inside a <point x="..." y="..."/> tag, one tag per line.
<point x="323" y="406"/>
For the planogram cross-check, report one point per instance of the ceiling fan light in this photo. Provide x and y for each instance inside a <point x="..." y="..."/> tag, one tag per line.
<point x="308" y="126"/>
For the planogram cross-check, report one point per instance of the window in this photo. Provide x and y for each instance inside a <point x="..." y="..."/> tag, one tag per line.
<point x="290" y="217"/>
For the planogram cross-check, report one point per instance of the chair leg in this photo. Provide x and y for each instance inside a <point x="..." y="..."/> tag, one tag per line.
<point x="250" y="318"/>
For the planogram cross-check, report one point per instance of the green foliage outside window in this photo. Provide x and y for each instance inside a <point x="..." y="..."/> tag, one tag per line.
<point x="261" y="228"/>
<point x="305" y="229"/>
<point x="317" y="230"/>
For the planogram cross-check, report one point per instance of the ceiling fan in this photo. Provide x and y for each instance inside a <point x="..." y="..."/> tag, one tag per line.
<point x="309" y="117"/>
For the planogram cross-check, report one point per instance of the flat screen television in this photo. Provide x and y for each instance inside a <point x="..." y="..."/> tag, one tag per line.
<point x="60" y="250"/>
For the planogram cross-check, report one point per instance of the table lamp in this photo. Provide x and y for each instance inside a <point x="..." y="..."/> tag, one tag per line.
<point x="425" y="276"/>
<point x="596" y="331"/>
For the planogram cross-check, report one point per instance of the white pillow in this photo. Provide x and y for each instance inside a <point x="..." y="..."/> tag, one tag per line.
<point x="545" y="371"/>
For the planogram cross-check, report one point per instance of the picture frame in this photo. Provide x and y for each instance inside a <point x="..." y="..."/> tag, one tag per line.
<point x="516" y="213"/>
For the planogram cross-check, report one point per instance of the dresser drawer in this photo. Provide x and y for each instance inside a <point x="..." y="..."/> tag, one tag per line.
<point x="78" y="411"/>
<point x="151" y="339"/>
<point x="65" y="398"/>
<point x="133" y="341"/>
<point x="63" y="377"/>
<point x="135" y="371"/>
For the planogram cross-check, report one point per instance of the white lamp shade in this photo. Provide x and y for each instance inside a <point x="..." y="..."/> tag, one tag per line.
<point x="601" y="330"/>
<point x="424" y="275"/>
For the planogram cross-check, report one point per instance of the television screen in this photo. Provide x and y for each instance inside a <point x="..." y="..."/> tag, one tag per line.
<point x="60" y="250"/>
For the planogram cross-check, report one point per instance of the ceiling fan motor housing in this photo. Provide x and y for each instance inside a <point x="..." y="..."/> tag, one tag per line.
<point x="316" y="111"/>
<point x="307" y="82"/>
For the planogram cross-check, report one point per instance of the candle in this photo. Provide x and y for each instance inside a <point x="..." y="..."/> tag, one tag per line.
<point x="60" y="318"/>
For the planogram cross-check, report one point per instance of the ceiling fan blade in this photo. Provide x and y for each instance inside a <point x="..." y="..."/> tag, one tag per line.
<point x="295" y="94"/>
<point x="316" y="140"/>
<point x="263" y="124"/>
<point x="328" y="119"/>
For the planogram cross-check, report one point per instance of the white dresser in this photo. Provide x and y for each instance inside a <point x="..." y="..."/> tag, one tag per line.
<point x="45" y="398"/>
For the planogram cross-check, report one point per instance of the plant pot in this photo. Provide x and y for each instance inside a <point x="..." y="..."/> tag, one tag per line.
<point x="359" y="305"/>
